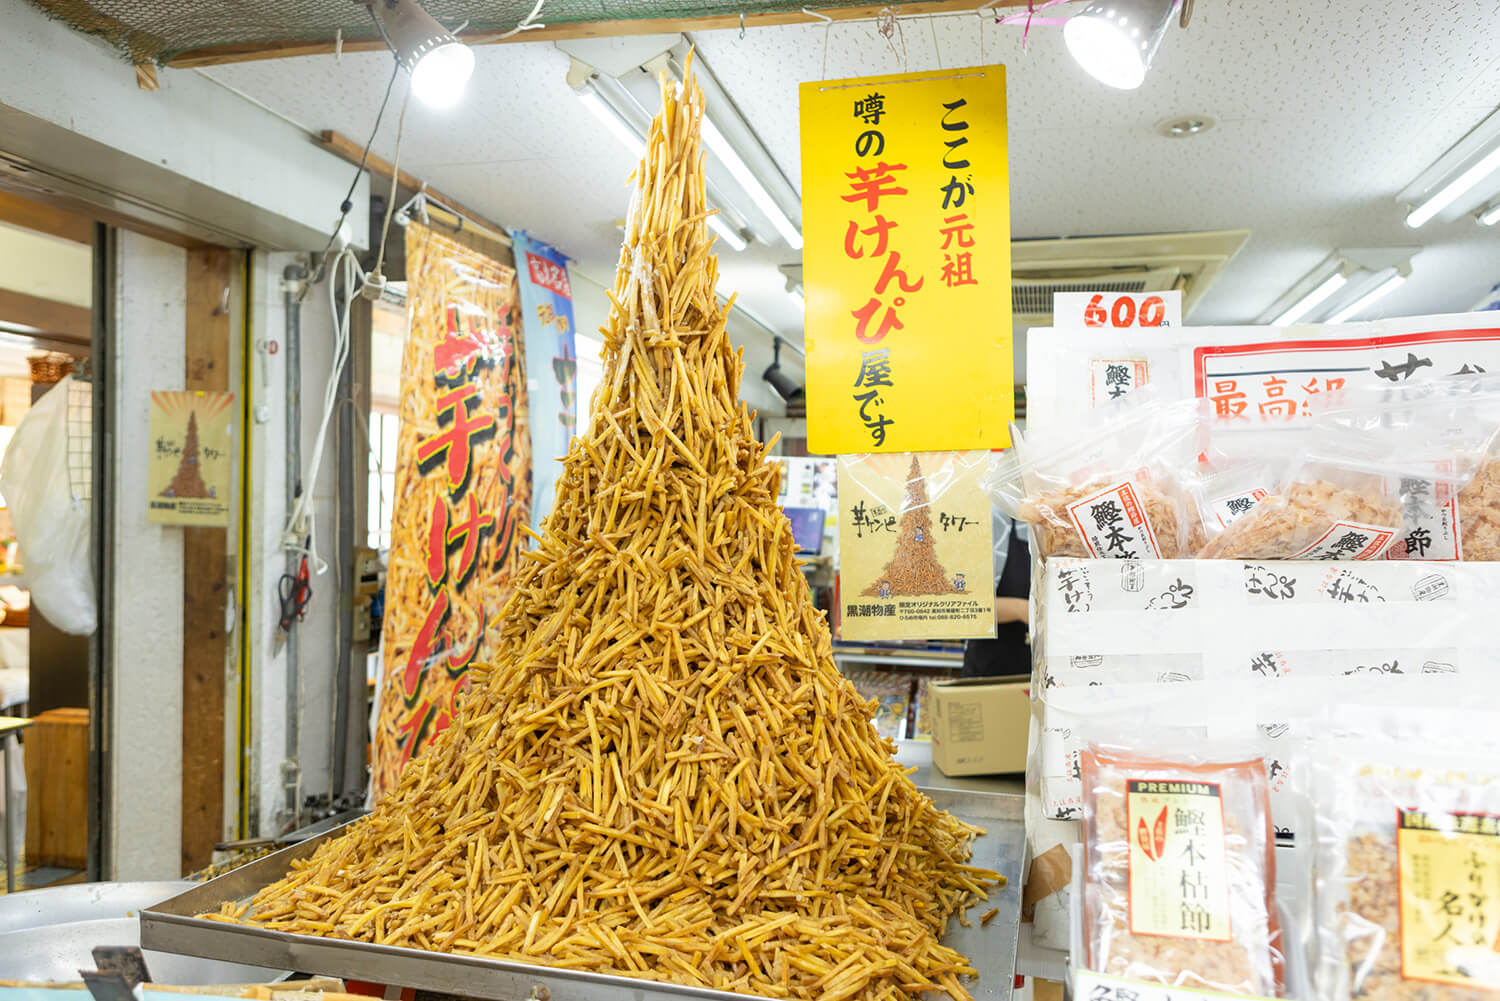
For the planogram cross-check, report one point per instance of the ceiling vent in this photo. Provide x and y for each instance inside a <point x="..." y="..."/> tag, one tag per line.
<point x="1189" y="262"/>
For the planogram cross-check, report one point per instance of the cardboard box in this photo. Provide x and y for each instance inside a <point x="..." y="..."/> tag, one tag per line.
<point x="979" y="725"/>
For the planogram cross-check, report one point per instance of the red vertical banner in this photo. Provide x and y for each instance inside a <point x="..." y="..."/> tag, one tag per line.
<point x="463" y="490"/>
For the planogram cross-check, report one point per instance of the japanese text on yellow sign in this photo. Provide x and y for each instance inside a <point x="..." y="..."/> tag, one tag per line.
<point x="906" y="214"/>
<point x="1450" y="897"/>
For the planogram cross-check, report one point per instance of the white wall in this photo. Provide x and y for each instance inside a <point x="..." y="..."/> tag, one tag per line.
<point x="70" y="104"/>
<point x="317" y="655"/>
<point x="145" y="811"/>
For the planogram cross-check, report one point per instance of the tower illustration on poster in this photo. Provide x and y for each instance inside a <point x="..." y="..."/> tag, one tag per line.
<point x="190" y="458"/>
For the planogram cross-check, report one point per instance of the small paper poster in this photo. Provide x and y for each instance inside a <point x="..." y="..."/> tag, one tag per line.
<point x="915" y="547"/>
<point x="188" y="463"/>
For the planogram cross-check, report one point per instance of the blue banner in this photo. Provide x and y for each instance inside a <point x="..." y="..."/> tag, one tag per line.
<point x="552" y="363"/>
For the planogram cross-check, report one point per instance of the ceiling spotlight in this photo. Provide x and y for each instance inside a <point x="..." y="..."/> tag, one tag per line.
<point x="1185" y="127"/>
<point x="1115" y="40"/>
<point x="1490" y="215"/>
<point x="440" y="65"/>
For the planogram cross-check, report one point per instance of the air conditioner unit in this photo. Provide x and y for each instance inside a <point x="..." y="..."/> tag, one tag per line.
<point x="1188" y="262"/>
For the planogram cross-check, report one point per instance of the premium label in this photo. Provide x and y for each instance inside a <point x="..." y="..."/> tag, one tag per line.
<point x="1179" y="876"/>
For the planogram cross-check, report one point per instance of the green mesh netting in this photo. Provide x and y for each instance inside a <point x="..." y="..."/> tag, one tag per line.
<point x="160" y="30"/>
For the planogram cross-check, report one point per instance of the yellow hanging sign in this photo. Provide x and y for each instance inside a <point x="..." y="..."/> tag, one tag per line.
<point x="906" y="269"/>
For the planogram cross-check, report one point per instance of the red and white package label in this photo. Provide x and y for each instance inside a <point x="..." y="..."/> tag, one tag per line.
<point x="1350" y="540"/>
<point x="1113" y="524"/>
<point x="1112" y="378"/>
<point x="1429" y="522"/>
<point x="1233" y="506"/>
<point x="1287" y="379"/>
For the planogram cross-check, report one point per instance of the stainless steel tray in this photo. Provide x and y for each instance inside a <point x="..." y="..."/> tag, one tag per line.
<point x="172" y="927"/>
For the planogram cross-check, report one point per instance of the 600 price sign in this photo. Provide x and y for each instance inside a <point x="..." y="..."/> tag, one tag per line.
<point x="1116" y="310"/>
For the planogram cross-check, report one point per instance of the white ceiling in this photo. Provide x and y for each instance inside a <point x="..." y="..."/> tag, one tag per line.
<point x="1326" y="110"/>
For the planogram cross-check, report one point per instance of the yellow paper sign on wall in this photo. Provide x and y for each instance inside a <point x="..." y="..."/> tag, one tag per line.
<point x="915" y="543"/>
<point x="187" y="475"/>
<point x="906" y="269"/>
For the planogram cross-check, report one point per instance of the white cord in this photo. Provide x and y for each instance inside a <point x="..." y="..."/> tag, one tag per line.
<point x="390" y="202"/>
<point x="301" y="522"/>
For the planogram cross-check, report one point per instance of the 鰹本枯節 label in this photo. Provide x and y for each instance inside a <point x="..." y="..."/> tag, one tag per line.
<point x="1349" y="540"/>
<point x="1112" y="378"/>
<point x="1113" y="524"/>
<point x="1430" y="527"/>
<point x="1179" y="876"/>
<point x="1450" y="897"/>
<point x="1233" y="506"/>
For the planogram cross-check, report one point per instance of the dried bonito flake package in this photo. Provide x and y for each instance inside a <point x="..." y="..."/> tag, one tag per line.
<point x="1446" y="435"/>
<point x="1179" y="879"/>
<point x="1408" y="871"/>
<point x="1110" y="488"/>
<point x="1402" y="473"/>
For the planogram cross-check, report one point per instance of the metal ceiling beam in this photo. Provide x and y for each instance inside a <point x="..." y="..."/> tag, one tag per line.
<point x="252" y="51"/>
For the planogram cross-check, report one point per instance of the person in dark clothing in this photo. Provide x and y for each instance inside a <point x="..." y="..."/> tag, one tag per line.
<point x="1009" y="653"/>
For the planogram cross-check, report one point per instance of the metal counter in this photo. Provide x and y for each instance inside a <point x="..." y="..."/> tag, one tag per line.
<point x="172" y="926"/>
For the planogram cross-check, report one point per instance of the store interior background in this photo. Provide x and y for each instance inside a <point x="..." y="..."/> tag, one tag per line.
<point x="1312" y="138"/>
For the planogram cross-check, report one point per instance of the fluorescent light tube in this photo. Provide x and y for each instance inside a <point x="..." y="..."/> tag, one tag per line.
<point x="1369" y="299"/>
<point x="801" y="299"/>
<point x="726" y="232"/>
<point x="1312" y="300"/>
<point x="1491" y="215"/>
<point x="613" y="122"/>
<point x="1454" y="189"/>
<point x="742" y="173"/>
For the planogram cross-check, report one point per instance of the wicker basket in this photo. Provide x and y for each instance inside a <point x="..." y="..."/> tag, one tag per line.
<point x="50" y="367"/>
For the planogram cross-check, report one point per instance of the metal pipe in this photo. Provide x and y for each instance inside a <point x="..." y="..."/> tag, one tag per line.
<point x="101" y="643"/>
<point x="294" y="276"/>
<point x="348" y="583"/>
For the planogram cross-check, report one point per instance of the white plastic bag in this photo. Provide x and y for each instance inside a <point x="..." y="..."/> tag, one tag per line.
<point x="52" y="524"/>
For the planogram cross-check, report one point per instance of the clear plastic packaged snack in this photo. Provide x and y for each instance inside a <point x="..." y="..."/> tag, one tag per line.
<point x="1111" y="488"/>
<point x="1179" y="874"/>
<point x="1408" y="864"/>
<point x="1479" y="509"/>
<point x="1443" y="433"/>
<point x="1330" y="509"/>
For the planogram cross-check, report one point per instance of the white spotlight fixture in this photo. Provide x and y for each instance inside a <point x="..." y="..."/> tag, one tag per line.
<point x="1382" y="289"/>
<point x="1460" y="178"/>
<point x="440" y="65"/>
<point x="1115" y="40"/>
<point x="1490" y="215"/>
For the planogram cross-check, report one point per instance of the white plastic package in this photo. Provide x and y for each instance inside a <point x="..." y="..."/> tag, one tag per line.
<point x="1110" y="488"/>
<point x="52" y="524"/>
<point x="1408" y="863"/>
<point x="1179" y="883"/>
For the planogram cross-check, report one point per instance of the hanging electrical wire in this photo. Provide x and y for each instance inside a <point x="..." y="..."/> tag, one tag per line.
<point x="299" y="535"/>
